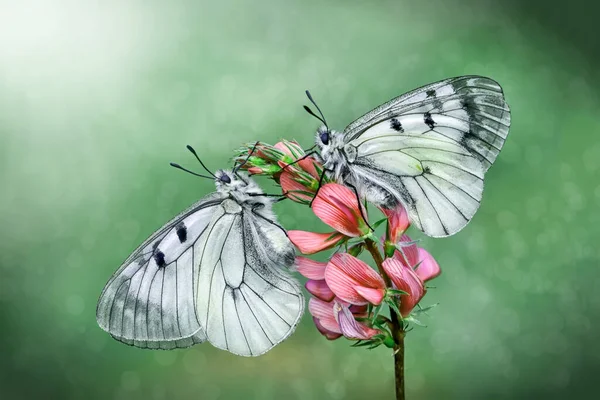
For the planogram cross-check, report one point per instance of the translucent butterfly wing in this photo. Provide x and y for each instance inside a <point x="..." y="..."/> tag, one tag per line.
<point x="430" y="148"/>
<point x="149" y="302"/>
<point x="246" y="303"/>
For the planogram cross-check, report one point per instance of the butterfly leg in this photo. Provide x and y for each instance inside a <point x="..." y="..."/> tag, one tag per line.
<point x="281" y="196"/>
<point x="351" y="186"/>
<point x="318" y="187"/>
<point x="236" y="169"/>
<point x="258" y="207"/>
<point x="298" y="160"/>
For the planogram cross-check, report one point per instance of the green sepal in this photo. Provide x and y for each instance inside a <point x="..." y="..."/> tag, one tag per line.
<point x="415" y="321"/>
<point x="389" y="248"/>
<point x="395" y="292"/>
<point x="356" y="249"/>
<point x="376" y="224"/>
<point x="379" y="322"/>
<point x="392" y="304"/>
<point x="423" y="310"/>
<point x="376" y="312"/>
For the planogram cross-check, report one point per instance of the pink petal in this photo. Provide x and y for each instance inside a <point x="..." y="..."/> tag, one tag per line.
<point x="310" y="269"/>
<point x="398" y="222"/>
<point x="308" y="165"/>
<point x="283" y="148"/>
<point x="330" y="335"/>
<point x="311" y="243"/>
<point x="405" y="279"/>
<point x="319" y="289"/>
<point x="373" y="296"/>
<point x="428" y="268"/>
<point x="323" y="311"/>
<point x="349" y="326"/>
<point x="336" y="205"/>
<point x="345" y="272"/>
<point x="290" y="148"/>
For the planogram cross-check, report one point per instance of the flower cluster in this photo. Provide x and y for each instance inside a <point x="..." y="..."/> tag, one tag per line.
<point x="347" y="294"/>
<point x="286" y="162"/>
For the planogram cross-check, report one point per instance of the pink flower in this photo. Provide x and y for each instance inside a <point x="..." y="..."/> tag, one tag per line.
<point x="311" y="243"/>
<point x="353" y="280"/>
<point x="407" y="280"/>
<point x="323" y="312"/>
<point x="310" y="269"/>
<point x="319" y="289"/>
<point x="398" y="222"/>
<point x="327" y="314"/>
<point x="412" y="256"/>
<point x="350" y="327"/>
<point x="337" y="206"/>
<point x="264" y="159"/>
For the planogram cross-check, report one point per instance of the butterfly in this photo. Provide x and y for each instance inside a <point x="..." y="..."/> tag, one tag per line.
<point x="216" y="272"/>
<point x="427" y="149"/>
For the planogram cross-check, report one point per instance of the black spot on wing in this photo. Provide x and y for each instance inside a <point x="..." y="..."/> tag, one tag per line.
<point x="181" y="230"/>
<point x="430" y="93"/>
<point x="428" y="120"/>
<point x="467" y="104"/>
<point x="159" y="257"/>
<point x="396" y="125"/>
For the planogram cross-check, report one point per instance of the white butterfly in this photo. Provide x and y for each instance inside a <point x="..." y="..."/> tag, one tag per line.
<point x="215" y="272"/>
<point x="427" y="149"/>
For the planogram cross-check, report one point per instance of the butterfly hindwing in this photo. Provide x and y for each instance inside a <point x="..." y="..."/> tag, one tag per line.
<point x="429" y="150"/>
<point x="246" y="302"/>
<point x="150" y="300"/>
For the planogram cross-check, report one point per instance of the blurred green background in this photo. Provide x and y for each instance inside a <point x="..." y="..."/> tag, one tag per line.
<point x="97" y="97"/>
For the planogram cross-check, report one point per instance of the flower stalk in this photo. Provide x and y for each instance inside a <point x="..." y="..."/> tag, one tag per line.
<point x="396" y="325"/>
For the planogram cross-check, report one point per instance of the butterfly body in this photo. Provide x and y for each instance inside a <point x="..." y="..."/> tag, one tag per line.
<point x="216" y="272"/>
<point x="427" y="150"/>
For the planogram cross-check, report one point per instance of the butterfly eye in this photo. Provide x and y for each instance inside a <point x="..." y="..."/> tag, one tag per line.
<point x="225" y="179"/>
<point x="324" y="137"/>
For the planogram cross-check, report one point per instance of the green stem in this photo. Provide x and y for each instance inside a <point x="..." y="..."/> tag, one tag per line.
<point x="397" y="326"/>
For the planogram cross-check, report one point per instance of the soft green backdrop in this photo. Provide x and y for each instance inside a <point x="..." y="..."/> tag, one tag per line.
<point x="97" y="97"/>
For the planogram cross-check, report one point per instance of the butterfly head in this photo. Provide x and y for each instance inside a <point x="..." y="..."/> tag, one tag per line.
<point x="228" y="181"/>
<point x="323" y="136"/>
<point x="328" y="140"/>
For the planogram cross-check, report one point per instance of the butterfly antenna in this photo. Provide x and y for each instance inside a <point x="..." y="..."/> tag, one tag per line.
<point x="191" y="149"/>
<point x="322" y="119"/>
<point x="308" y="110"/>
<point x="188" y="171"/>
<point x="236" y="169"/>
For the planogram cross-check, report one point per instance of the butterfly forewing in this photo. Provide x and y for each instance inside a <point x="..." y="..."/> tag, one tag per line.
<point x="150" y="301"/>
<point x="429" y="149"/>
